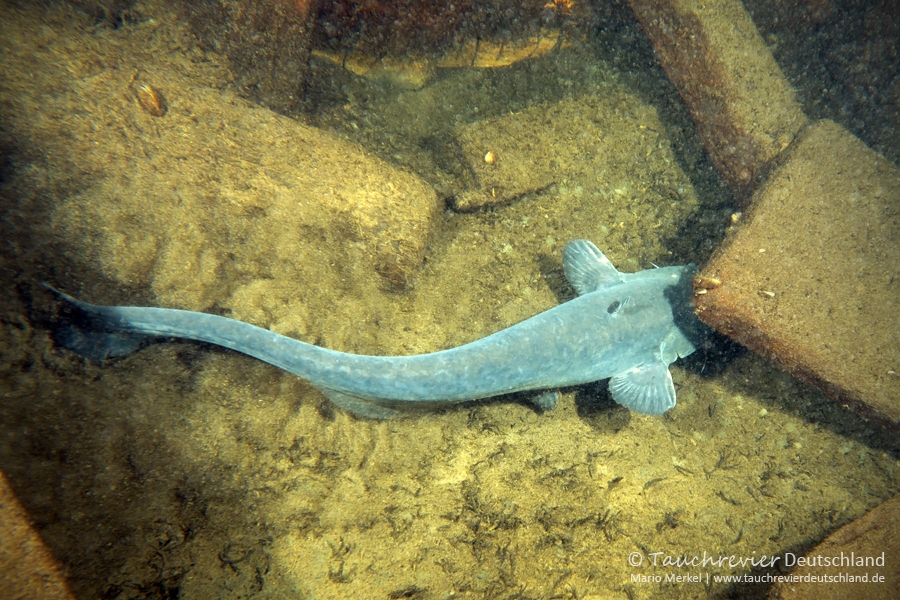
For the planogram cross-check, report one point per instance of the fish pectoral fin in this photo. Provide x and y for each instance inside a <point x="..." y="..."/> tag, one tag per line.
<point x="587" y="268"/>
<point x="646" y="388"/>
<point x="361" y="407"/>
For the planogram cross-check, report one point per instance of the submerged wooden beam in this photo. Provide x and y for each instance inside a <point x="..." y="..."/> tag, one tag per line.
<point x="744" y="108"/>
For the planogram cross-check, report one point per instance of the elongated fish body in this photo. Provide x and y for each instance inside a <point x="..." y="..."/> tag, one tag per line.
<point x="628" y="327"/>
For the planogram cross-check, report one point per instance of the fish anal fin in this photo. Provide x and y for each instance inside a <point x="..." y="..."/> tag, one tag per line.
<point x="98" y="346"/>
<point x="546" y="400"/>
<point x="361" y="407"/>
<point x="646" y="388"/>
<point x="587" y="268"/>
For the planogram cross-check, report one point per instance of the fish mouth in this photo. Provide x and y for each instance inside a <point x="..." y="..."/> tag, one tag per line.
<point x="680" y="295"/>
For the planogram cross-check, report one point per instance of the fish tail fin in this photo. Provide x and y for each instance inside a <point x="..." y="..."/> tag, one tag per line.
<point x="88" y="330"/>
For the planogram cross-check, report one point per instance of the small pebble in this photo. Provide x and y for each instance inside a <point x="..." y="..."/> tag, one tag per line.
<point x="152" y="100"/>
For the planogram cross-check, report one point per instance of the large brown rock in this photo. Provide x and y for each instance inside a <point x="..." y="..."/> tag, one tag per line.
<point x="158" y="176"/>
<point x="744" y="107"/>
<point x="874" y="537"/>
<point x="27" y="568"/>
<point x="811" y="277"/>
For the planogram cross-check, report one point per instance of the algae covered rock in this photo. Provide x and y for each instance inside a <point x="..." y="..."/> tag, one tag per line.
<point x="209" y="196"/>
<point x="214" y="204"/>
<point x="203" y="208"/>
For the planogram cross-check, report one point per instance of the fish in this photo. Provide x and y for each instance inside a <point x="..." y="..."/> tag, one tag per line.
<point x="625" y="327"/>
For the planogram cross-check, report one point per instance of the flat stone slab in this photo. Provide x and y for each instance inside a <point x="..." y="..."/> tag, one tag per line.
<point x="811" y="276"/>
<point x="874" y="537"/>
<point x="176" y="185"/>
<point x="576" y="142"/>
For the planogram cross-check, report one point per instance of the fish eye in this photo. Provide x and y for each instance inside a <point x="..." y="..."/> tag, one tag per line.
<point x="616" y="306"/>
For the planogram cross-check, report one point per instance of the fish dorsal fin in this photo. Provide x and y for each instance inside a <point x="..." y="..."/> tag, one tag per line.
<point x="587" y="269"/>
<point x="646" y="388"/>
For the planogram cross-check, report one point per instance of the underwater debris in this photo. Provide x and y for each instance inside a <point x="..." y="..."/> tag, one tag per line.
<point x="151" y="100"/>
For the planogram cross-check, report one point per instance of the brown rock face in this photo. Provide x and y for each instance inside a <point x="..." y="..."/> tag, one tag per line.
<point x="812" y="275"/>
<point x="27" y="567"/>
<point x="873" y="540"/>
<point x="744" y="107"/>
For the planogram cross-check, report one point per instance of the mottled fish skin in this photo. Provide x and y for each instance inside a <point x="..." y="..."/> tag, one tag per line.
<point x="629" y="327"/>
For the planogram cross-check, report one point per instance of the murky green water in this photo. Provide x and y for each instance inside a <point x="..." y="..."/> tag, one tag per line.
<point x="188" y="471"/>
